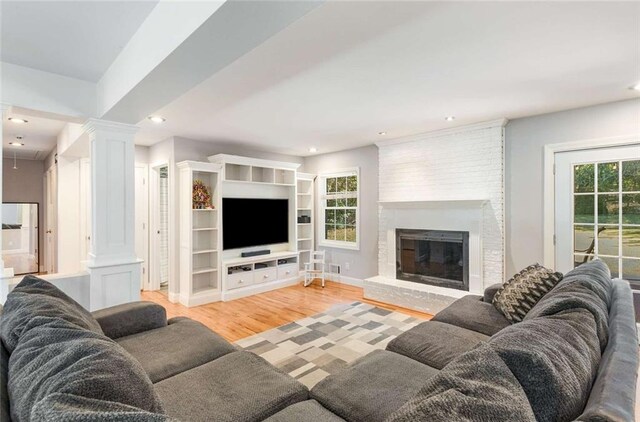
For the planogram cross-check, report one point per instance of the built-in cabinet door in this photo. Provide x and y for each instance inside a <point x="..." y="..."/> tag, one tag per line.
<point x="597" y="209"/>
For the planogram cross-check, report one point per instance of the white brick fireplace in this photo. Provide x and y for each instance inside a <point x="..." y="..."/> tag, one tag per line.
<point x="446" y="180"/>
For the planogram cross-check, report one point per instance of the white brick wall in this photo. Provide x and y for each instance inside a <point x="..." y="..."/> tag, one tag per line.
<point x="465" y="163"/>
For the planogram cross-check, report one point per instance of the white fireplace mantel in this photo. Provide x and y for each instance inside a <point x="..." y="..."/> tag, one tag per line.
<point x="456" y="215"/>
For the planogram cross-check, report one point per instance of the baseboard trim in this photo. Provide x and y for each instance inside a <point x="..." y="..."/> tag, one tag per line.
<point x="174" y="297"/>
<point x="357" y="282"/>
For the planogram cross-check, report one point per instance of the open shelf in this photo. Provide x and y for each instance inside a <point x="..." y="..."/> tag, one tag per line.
<point x="204" y="270"/>
<point x="285" y="177"/>
<point x="262" y="175"/>
<point x="305" y="229"/>
<point x="199" y="232"/>
<point x="237" y="172"/>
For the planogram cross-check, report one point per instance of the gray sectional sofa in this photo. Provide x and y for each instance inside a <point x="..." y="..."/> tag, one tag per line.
<point x="574" y="357"/>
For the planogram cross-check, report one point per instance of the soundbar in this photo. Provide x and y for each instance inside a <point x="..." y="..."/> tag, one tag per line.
<point x="255" y="253"/>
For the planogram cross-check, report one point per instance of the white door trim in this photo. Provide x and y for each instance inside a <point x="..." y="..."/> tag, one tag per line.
<point x="549" y="219"/>
<point x="154" y="194"/>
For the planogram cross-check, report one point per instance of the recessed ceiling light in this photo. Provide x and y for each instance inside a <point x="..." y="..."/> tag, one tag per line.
<point x="450" y="118"/>
<point x="636" y="87"/>
<point x="313" y="149"/>
<point x="157" y="119"/>
<point x="16" y="144"/>
<point x="382" y="133"/>
<point x="17" y="120"/>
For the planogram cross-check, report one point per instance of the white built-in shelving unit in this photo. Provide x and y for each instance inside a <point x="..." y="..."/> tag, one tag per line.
<point x="199" y="235"/>
<point x="305" y="230"/>
<point x="244" y="177"/>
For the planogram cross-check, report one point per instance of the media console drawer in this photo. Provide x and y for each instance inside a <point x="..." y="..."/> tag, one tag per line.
<point x="287" y="271"/>
<point x="240" y="279"/>
<point x="264" y="275"/>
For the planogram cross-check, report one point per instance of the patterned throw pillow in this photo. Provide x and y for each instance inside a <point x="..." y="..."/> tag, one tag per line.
<point x="517" y="296"/>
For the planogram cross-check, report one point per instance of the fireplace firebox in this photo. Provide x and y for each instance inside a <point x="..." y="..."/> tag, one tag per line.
<point x="435" y="257"/>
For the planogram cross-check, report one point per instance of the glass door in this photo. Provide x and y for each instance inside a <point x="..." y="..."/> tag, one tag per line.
<point x="601" y="210"/>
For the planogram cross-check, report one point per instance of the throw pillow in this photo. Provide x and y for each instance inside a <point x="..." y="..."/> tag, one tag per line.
<point x="58" y="357"/>
<point x="33" y="301"/>
<point x="517" y="296"/>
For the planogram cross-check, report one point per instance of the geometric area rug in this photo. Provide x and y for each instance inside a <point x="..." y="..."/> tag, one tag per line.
<point x="312" y="348"/>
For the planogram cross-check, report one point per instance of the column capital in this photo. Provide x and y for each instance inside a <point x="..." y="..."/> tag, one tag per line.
<point x="91" y="126"/>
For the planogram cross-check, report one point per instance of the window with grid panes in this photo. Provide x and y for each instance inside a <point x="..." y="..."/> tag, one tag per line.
<point x="606" y="216"/>
<point x="339" y="212"/>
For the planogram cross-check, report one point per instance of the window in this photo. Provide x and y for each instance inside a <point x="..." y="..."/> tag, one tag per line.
<point x="606" y="215"/>
<point x="339" y="212"/>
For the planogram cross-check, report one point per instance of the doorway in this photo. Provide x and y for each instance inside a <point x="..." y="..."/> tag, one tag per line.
<point x="20" y="242"/>
<point x="160" y="218"/>
<point x="597" y="209"/>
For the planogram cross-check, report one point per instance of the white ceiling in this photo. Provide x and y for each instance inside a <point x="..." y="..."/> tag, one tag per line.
<point x="39" y="136"/>
<point x="79" y="39"/>
<point x="348" y="70"/>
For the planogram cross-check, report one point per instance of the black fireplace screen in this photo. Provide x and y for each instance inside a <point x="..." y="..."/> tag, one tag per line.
<point x="439" y="258"/>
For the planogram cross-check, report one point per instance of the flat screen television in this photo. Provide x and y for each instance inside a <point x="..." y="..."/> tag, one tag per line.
<point x="250" y="222"/>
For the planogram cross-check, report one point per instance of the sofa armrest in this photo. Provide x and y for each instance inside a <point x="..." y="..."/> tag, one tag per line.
<point x="130" y="318"/>
<point x="490" y="292"/>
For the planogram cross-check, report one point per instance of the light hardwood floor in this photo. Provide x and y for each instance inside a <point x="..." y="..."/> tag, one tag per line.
<point x="254" y="314"/>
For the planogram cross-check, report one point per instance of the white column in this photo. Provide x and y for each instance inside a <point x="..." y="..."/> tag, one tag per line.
<point x="113" y="267"/>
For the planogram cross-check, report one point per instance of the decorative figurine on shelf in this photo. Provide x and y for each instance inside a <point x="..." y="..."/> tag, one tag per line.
<point x="201" y="196"/>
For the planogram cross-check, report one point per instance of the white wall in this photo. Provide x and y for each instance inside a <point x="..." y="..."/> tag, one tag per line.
<point x="363" y="263"/>
<point x="142" y="154"/>
<point x="525" y="139"/>
<point x="69" y="234"/>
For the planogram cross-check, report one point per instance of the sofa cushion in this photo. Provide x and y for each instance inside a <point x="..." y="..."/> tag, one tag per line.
<point x="472" y="313"/>
<point x="579" y="290"/>
<point x="34" y="297"/>
<point x="72" y="408"/>
<point x="476" y="386"/>
<point x="373" y="387"/>
<point x="555" y="359"/>
<point x="179" y="346"/>
<point x="435" y="343"/>
<point x="612" y="396"/>
<point x="490" y="292"/>
<point x="130" y="318"/>
<point x="238" y="386"/>
<point x="57" y="356"/>
<point x="594" y="274"/>
<point x="308" y="410"/>
<point x="517" y="296"/>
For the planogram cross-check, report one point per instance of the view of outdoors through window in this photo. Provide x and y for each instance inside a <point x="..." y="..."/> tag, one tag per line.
<point x="341" y="207"/>
<point x="606" y="215"/>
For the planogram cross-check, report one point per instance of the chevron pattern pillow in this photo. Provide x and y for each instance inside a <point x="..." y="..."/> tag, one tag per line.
<point x="517" y="296"/>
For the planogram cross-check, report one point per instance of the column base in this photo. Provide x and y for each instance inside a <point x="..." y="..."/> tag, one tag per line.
<point x="114" y="284"/>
